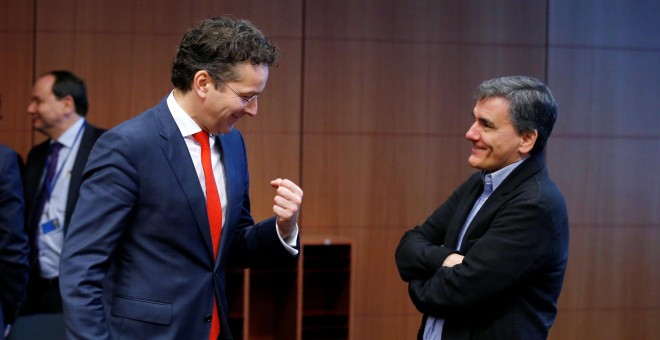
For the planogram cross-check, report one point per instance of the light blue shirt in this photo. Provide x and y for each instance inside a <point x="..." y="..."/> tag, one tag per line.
<point x="434" y="325"/>
<point x="50" y="244"/>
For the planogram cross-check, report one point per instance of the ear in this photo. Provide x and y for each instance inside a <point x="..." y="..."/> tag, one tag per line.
<point x="69" y="104"/>
<point x="527" y="142"/>
<point x="202" y="83"/>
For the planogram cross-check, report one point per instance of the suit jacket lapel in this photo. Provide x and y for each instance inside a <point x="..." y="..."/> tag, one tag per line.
<point x="35" y="170"/>
<point x="32" y="180"/>
<point x="175" y="150"/>
<point x="463" y="210"/>
<point x="86" y="143"/>
<point x="528" y="168"/>
<point x="230" y="173"/>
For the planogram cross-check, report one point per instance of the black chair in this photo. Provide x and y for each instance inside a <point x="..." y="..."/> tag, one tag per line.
<point x="37" y="327"/>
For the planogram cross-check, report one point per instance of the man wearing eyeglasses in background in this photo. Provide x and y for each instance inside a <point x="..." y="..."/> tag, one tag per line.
<point x="144" y="256"/>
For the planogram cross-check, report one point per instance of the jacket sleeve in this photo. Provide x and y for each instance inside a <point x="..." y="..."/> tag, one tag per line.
<point x="422" y="249"/>
<point x="521" y="238"/>
<point x="107" y="197"/>
<point x="14" y="264"/>
<point x="252" y="244"/>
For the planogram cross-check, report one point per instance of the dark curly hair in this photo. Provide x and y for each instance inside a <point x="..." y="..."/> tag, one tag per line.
<point x="216" y="45"/>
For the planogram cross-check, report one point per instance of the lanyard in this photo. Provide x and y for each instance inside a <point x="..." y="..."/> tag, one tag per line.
<point x="49" y="189"/>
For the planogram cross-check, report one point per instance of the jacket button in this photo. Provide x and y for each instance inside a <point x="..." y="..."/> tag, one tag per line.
<point x="208" y="318"/>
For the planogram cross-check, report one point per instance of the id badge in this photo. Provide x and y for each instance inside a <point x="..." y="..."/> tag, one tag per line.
<point x="49" y="226"/>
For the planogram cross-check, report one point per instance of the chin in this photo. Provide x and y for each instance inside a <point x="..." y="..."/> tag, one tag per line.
<point x="473" y="162"/>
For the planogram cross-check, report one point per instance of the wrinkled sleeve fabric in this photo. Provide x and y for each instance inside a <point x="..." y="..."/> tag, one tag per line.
<point x="107" y="197"/>
<point x="14" y="264"/>
<point x="423" y="249"/>
<point x="519" y="239"/>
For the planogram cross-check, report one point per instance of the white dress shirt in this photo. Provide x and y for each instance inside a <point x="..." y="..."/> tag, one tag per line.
<point x="188" y="128"/>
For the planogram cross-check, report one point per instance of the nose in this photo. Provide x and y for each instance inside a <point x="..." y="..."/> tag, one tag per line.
<point x="251" y="107"/>
<point x="31" y="109"/>
<point x="472" y="133"/>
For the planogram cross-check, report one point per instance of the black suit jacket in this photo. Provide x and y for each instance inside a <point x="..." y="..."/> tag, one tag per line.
<point x="36" y="163"/>
<point x="34" y="168"/>
<point x="515" y="249"/>
<point x="13" y="241"/>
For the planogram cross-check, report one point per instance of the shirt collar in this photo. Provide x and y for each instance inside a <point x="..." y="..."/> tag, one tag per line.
<point x="186" y="125"/>
<point x="68" y="138"/>
<point x="500" y="175"/>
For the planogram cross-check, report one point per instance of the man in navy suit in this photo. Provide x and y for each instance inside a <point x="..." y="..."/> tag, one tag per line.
<point x="489" y="263"/>
<point x="58" y="107"/>
<point x="14" y="265"/>
<point x="138" y="259"/>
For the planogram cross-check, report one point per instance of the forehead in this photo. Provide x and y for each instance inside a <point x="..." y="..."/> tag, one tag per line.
<point x="494" y="108"/>
<point x="252" y="75"/>
<point x="44" y="85"/>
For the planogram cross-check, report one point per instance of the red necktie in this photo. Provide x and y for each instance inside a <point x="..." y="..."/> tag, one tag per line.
<point x="214" y="210"/>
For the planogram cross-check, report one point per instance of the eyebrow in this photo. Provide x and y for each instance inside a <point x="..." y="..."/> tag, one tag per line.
<point x="486" y="122"/>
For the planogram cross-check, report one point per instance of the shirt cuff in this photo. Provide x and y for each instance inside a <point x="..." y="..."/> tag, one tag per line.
<point x="290" y="242"/>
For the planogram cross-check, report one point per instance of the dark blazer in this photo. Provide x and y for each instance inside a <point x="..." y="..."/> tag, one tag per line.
<point x="14" y="264"/>
<point x="138" y="260"/>
<point x="36" y="164"/>
<point x="515" y="251"/>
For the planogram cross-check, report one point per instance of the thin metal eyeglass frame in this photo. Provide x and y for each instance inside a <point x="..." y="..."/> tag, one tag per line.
<point x="245" y="98"/>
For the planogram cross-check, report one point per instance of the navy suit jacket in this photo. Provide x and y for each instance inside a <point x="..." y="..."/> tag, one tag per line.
<point x="138" y="260"/>
<point x="515" y="249"/>
<point x="14" y="265"/>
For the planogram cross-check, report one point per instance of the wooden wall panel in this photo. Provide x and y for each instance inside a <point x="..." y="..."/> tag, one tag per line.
<point x="613" y="24"/>
<point x="604" y="69"/>
<point x="376" y="182"/>
<point x="474" y="22"/>
<point x="610" y="292"/>
<point x="609" y="180"/>
<point x="368" y="110"/>
<point x="124" y="51"/>
<point x="423" y="88"/>
<point x="620" y="83"/>
<point x="387" y="101"/>
<point x="273" y="136"/>
<point x="16" y="67"/>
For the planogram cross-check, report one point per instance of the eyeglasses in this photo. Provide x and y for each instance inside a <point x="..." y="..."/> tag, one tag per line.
<point x="247" y="99"/>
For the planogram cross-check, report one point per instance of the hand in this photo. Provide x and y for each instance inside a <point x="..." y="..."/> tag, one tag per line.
<point x="7" y="329"/>
<point x="288" y="198"/>
<point x="452" y="260"/>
